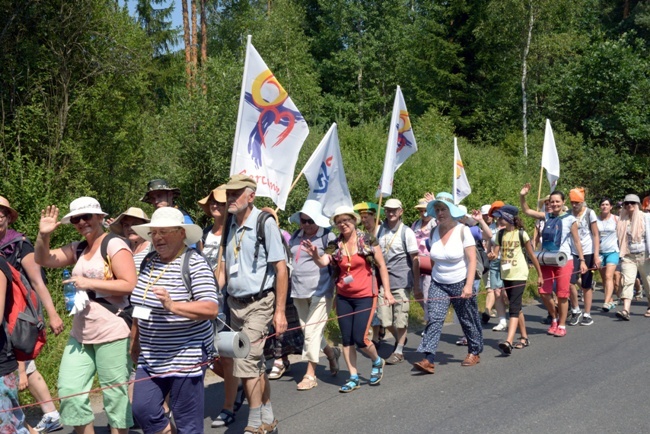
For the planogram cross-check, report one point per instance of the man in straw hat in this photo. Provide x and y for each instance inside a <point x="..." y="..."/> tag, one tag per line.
<point x="400" y="249"/>
<point x="257" y="280"/>
<point x="172" y="332"/>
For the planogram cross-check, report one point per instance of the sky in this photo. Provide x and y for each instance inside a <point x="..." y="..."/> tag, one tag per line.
<point x="177" y="16"/>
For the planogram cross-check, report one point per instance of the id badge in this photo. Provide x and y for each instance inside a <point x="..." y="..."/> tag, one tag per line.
<point x="234" y="269"/>
<point x="505" y="267"/>
<point x="141" y="312"/>
<point x="348" y="279"/>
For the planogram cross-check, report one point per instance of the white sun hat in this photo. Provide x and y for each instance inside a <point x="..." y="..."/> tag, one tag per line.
<point x="314" y="210"/>
<point x="83" y="205"/>
<point x="168" y="217"/>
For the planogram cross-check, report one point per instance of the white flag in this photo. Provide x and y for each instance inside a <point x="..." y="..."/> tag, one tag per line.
<point x="461" y="184"/>
<point x="401" y="144"/>
<point x="270" y="131"/>
<point x="550" y="160"/>
<point x="325" y="175"/>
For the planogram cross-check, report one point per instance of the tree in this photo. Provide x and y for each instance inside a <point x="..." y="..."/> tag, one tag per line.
<point x="157" y="24"/>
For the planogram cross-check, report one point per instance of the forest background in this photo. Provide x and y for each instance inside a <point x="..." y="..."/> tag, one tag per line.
<point x="93" y="101"/>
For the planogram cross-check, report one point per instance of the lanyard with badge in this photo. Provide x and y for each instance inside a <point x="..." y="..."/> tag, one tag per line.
<point x="234" y="268"/>
<point x="141" y="311"/>
<point x="387" y="246"/>
<point x="348" y="278"/>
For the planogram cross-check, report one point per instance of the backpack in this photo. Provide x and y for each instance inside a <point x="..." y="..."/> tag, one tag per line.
<point x="125" y="313"/>
<point x="260" y="239"/>
<point x="15" y="258"/>
<point x="552" y="233"/>
<point x="409" y="260"/>
<point x="185" y="266"/>
<point x="23" y="316"/>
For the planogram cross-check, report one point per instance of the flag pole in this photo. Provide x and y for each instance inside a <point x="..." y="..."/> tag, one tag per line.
<point x="295" y="181"/>
<point x="381" y="196"/>
<point x="453" y="176"/>
<point x="242" y="97"/>
<point x="539" y="188"/>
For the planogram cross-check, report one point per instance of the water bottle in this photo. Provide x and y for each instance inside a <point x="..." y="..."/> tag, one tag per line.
<point x="69" y="291"/>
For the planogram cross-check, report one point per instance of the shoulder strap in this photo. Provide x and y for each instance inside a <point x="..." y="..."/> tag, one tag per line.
<point x="500" y="236"/>
<point x="18" y="239"/>
<point x="522" y="243"/>
<point x="147" y="260"/>
<point x="260" y="235"/>
<point x="206" y="232"/>
<point x="103" y="248"/>
<point x="185" y="269"/>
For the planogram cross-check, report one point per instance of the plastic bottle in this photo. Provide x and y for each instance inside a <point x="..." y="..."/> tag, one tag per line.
<point x="69" y="291"/>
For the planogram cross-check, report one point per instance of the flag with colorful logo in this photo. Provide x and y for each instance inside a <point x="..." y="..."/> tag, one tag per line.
<point x="461" y="184"/>
<point x="325" y="175"/>
<point x="401" y="144"/>
<point x="270" y="131"/>
<point x="550" y="159"/>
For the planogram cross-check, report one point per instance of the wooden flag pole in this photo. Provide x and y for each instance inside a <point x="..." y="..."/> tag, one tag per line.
<point x="221" y="244"/>
<point x="295" y="181"/>
<point x="381" y="196"/>
<point x="539" y="188"/>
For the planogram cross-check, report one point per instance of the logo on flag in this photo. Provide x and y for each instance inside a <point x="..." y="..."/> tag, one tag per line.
<point x="402" y="139"/>
<point x="325" y="175"/>
<point x="270" y="131"/>
<point x="461" y="184"/>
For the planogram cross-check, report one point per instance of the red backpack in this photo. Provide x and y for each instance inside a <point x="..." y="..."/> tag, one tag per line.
<point x="23" y="316"/>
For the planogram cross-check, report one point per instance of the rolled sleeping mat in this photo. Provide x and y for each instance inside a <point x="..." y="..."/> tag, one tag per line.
<point x="553" y="259"/>
<point x="235" y="345"/>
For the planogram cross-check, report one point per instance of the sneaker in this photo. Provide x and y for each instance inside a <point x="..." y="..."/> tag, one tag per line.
<point x="47" y="424"/>
<point x="485" y="317"/>
<point x="552" y="329"/>
<point x="501" y="327"/>
<point x="575" y="318"/>
<point x="560" y="332"/>
<point x="586" y="321"/>
<point x="548" y="320"/>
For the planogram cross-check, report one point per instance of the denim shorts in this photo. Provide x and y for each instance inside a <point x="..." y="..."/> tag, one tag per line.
<point x="611" y="258"/>
<point x="495" y="275"/>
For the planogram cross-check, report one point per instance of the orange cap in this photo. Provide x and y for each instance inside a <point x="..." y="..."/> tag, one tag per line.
<point x="577" y="195"/>
<point x="495" y="206"/>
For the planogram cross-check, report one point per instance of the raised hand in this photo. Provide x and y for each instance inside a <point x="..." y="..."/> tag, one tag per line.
<point x="525" y="189"/>
<point x="49" y="220"/>
<point x="429" y="196"/>
<point x="476" y="215"/>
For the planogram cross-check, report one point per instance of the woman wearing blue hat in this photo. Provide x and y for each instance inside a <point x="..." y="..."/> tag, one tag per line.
<point x="453" y="254"/>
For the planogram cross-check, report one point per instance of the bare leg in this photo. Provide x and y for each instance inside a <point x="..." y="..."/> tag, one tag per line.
<point x="547" y="299"/>
<point x="489" y="301"/>
<point x="563" y="307"/>
<point x="255" y="389"/>
<point x="574" y="297"/>
<point x="85" y="429"/>
<point x="607" y="276"/>
<point x="39" y="390"/>
<point x="350" y="356"/>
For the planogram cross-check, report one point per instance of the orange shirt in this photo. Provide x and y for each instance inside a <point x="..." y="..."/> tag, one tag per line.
<point x="362" y="284"/>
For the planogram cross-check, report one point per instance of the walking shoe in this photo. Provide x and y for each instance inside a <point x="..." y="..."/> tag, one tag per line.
<point x="548" y="320"/>
<point x="485" y="317"/>
<point x="587" y="321"/>
<point x="560" y="332"/>
<point x="47" y="424"/>
<point x="425" y="366"/>
<point x="501" y="327"/>
<point x="552" y="329"/>
<point x="471" y="360"/>
<point x="377" y="372"/>
<point x="575" y="318"/>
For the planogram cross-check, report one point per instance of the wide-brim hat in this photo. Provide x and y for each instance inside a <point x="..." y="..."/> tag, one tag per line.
<point x="116" y="226"/>
<point x="159" y="185"/>
<point x="12" y="213"/>
<point x="344" y="210"/>
<point x="219" y="195"/>
<point x="237" y="182"/>
<point x="168" y="217"/>
<point x="448" y="200"/>
<point x="314" y="210"/>
<point x="83" y="205"/>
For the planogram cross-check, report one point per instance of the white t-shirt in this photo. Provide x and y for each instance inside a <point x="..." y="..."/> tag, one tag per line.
<point x="450" y="265"/>
<point x="211" y="249"/>
<point x="607" y="231"/>
<point x="584" y="231"/>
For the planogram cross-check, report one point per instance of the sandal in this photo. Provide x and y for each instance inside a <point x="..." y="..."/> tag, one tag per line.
<point x="623" y="314"/>
<point x="334" y="361"/>
<point x="647" y="313"/>
<point x="270" y="428"/>
<point x="506" y="347"/>
<point x="278" y="370"/>
<point x="225" y="418"/>
<point x="308" y="382"/>
<point x="523" y="343"/>
<point x="377" y="372"/>
<point x="350" y="385"/>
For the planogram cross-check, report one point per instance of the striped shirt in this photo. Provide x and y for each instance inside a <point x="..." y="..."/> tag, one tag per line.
<point x="171" y="342"/>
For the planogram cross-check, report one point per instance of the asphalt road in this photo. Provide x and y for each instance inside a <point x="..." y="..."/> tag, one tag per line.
<point x="593" y="380"/>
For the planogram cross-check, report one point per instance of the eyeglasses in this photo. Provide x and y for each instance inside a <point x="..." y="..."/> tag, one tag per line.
<point x="307" y="221"/>
<point x="2" y="216"/>
<point x="343" y="222"/>
<point x="85" y="217"/>
<point x="162" y="232"/>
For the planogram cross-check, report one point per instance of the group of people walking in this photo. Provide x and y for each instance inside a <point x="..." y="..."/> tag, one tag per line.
<point x="149" y="291"/>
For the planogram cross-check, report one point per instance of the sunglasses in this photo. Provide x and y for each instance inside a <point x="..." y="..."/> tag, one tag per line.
<point x="628" y="203"/>
<point x="307" y="221"/>
<point x="85" y="217"/>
